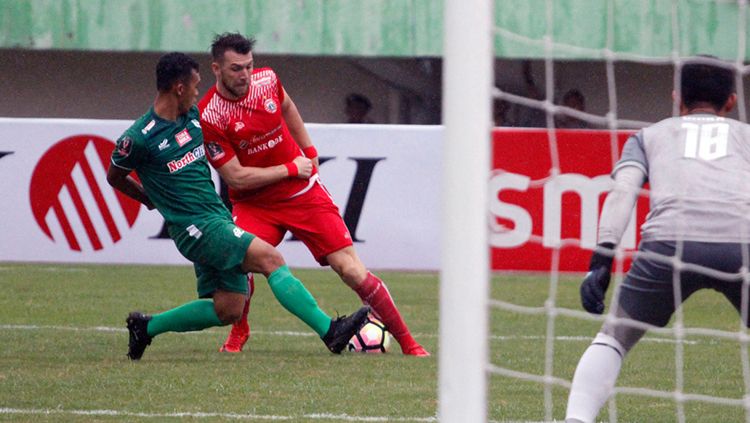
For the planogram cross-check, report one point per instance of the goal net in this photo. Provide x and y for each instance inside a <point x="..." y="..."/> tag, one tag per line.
<point x="510" y="340"/>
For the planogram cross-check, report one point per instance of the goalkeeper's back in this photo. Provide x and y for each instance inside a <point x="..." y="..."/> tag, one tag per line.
<point x="698" y="167"/>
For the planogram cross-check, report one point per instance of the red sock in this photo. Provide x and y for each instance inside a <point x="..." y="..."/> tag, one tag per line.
<point x="242" y="325"/>
<point x="374" y="293"/>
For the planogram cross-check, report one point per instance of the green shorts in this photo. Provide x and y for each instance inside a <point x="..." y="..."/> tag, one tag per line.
<point x="217" y="248"/>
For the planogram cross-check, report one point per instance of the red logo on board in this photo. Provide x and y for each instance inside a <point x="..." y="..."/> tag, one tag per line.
<point x="71" y="199"/>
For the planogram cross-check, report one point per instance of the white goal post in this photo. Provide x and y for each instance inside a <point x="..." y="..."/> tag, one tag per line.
<point x="464" y="275"/>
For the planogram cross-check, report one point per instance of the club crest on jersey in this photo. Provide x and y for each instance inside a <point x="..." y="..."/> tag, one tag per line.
<point x="214" y="150"/>
<point x="183" y="137"/>
<point x="124" y="145"/>
<point x="238" y="126"/>
<point x="270" y="105"/>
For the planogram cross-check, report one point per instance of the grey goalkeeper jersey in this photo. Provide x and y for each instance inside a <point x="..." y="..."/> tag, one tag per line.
<point x="698" y="168"/>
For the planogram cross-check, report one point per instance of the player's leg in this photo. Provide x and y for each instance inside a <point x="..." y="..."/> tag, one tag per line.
<point x="597" y="371"/>
<point x="646" y="295"/>
<point x="737" y="292"/>
<point x="247" y="217"/>
<point x="734" y="293"/>
<point x="217" y="255"/>
<point x="315" y="220"/>
<point x="373" y="292"/>
<point x="240" y="330"/>
<point x="263" y="258"/>
<point x="192" y="316"/>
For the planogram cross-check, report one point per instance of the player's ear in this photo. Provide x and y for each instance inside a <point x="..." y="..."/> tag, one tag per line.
<point x="179" y="88"/>
<point x="215" y="67"/>
<point x="675" y="97"/>
<point x="731" y="102"/>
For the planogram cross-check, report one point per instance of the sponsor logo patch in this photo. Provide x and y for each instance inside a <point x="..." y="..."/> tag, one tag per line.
<point x="183" y="137"/>
<point x="124" y="146"/>
<point x="266" y="80"/>
<point x="188" y="158"/>
<point x="148" y="127"/>
<point x="214" y="150"/>
<point x="164" y="145"/>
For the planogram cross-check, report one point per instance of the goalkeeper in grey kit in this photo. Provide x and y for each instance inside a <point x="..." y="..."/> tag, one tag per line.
<point x="698" y="168"/>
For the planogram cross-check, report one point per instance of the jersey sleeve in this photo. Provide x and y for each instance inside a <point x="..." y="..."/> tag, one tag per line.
<point x="218" y="148"/>
<point x="633" y="154"/>
<point x="128" y="153"/>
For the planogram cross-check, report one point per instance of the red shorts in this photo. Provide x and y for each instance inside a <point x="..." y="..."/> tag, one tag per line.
<point x="312" y="218"/>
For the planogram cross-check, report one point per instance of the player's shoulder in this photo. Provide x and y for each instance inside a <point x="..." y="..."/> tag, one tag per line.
<point x="264" y="76"/>
<point x="212" y="107"/>
<point x="139" y="131"/>
<point x="208" y="99"/>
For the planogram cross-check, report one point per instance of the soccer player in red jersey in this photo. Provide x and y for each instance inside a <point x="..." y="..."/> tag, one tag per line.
<point x="257" y="141"/>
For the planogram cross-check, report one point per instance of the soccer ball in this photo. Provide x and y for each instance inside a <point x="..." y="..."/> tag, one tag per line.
<point x="371" y="338"/>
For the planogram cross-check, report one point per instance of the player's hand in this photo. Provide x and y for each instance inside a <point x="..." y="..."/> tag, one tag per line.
<point x="304" y="167"/>
<point x="595" y="283"/>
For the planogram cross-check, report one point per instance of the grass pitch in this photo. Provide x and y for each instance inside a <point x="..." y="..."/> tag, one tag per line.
<point x="63" y="344"/>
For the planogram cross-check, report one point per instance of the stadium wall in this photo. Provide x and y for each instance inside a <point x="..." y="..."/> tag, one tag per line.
<point x="111" y="85"/>
<point x="58" y="207"/>
<point x="578" y="28"/>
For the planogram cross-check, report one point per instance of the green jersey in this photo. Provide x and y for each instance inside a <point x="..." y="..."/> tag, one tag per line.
<point x="169" y="159"/>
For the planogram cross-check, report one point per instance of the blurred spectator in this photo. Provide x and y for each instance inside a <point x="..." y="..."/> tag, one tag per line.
<point x="357" y="107"/>
<point x="531" y="117"/>
<point x="500" y="109"/>
<point x="575" y="100"/>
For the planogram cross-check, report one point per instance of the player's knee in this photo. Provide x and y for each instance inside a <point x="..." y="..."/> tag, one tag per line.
<point x="270" y="261"/>
<point x="349" y="268"/>
<point x="262" y="258"/>
<point x="229" y="312"/>
<point x="228" y="306"/>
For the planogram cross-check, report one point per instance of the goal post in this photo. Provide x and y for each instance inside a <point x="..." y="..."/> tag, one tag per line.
<point x="464" y="275"/>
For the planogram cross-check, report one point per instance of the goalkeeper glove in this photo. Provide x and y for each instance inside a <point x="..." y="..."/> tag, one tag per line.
<point x="596" y="281"/>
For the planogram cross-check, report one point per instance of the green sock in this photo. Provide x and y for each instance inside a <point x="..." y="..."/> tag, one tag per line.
<point x="290" y="292"/>
<point x="195" y="315"/>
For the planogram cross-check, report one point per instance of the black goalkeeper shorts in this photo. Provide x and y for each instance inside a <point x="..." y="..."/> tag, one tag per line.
<point x="647" y="293"/>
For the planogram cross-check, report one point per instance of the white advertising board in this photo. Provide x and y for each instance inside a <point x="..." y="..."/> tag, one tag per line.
<point x="57" y="206"/>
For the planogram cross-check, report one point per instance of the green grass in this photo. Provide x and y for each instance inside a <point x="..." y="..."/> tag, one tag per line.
<point x="58" y="357"/>
<point x="712" y="366"/>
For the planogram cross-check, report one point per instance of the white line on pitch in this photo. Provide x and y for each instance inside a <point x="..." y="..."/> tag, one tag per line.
<point x="293" y="333"/>
<point x="238" y="416"/>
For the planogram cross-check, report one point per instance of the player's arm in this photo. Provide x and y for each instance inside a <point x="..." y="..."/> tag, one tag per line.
<point x="612" y="224"/>
<point x="241" y="177"/>
<point x="619" y="204"/>
<point x="297" y="128"/>
<point x="121" y="180"/>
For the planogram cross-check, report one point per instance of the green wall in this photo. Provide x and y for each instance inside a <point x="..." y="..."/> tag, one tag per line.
<point x="373" y="27"/>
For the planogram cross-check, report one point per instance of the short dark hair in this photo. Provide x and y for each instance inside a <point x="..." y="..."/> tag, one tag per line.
<point x="704" y="80"/>
<point x="230" y="41"/>
<point x="358" y="98"/>
<point x="174" y="67"/>
<point x="575" y="95"/>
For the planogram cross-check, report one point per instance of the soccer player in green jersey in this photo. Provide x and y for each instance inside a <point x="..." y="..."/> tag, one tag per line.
<point x="165" y="149"/>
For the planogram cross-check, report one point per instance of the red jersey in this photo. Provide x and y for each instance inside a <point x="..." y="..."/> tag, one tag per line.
<point x="253" y="130"/>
